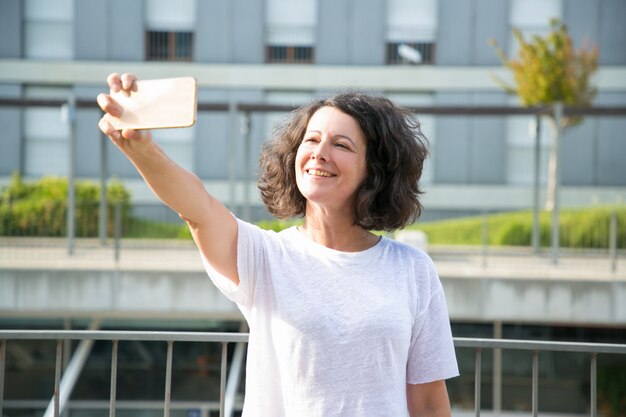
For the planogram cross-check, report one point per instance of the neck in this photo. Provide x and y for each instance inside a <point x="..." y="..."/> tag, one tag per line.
<point x="336" y="231"/>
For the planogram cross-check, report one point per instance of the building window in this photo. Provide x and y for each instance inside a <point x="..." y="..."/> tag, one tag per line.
<point x="290" y="31"/>
<point x="532" y="17"/>
<point x="398" y="53"/>
<point x="169" y="46"/>
<point x="45" y="134"/>
<point x="411" y="30"/>
<point x="289" y="54"/>
<point x="169" y="30"/>
<point x="48" y="29"/>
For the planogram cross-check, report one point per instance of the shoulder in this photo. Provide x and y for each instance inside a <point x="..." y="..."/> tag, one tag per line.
<point x="409" y="253"/>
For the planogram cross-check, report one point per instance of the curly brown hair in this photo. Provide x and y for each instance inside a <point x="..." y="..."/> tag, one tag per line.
<point x="388" y="199"/>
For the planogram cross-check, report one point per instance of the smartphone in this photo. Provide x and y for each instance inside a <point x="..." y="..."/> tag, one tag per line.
<point x="158" y="104"/>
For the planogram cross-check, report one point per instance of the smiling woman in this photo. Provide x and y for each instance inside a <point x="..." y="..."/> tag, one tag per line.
<point x="343" y="322"/>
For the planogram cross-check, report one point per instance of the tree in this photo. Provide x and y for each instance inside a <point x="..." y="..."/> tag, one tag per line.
<point x="548" y="70"/>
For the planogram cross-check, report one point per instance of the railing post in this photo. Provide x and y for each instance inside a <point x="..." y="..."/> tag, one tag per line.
<point x="168" y="379"/>
<point x="3" y="351"/>
<point x="223" y="378"/>
<point x="485" y="238"/>
<point x="102" y="220"/>
<point x="118" y="231"/>
<point x="613" y="241"/>
<point x="477" y="382"/>
<point x="57" y="377"/>
<point x="594" y="385"/>
<point x="113" y="398"/>
<point x="497" y="370"/>
<point x="558" y="117"/>
<point x="68" y="112"/>
<point x="535" y="133"/>
<point x="535" y="386"/>
<point x="232" y="150"/>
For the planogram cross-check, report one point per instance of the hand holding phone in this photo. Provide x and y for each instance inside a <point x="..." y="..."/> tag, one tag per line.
<point x="157" y="104"/>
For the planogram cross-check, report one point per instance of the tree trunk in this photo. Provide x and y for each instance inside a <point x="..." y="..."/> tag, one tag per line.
<point x="552" y="165"/>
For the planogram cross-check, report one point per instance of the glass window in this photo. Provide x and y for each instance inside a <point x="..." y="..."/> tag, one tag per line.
<point x="521" y="149"/>
<point x="177" y="144"/>
<point x="169" y="30"/>
<point x="46" y="134"/>
<point x="532" y="17"/>
<point x="290" y="31"/>
<point x="411" y="31"/>
<point x="169" y="46"/>
<point x="48" y="29"/>
<point x="167" y="15"/>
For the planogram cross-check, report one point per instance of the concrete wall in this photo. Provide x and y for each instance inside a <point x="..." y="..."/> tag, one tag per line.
<point x="72" y="293"/>
<point x="187" y="295"/>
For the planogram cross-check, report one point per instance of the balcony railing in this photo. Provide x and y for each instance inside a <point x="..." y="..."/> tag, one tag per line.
<point x="61" y="390"/>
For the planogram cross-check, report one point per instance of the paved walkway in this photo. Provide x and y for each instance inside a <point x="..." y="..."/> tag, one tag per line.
<point x="171" y="255"/>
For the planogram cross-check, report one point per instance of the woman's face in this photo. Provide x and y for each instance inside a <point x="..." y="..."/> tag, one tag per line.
<point x="331" y="160"/>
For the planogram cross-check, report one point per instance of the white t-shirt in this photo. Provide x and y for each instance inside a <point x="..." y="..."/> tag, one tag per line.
<point x="335" y="333"/>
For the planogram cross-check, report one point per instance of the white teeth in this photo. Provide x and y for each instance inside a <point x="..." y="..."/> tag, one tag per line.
<point x="319" y="173"/>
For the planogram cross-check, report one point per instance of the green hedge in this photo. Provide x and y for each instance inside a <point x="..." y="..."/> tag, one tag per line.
<point x="579" y="228"/>
<point x="39" y="208"/>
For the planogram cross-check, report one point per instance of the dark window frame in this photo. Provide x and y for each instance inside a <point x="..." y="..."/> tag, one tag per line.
<point x="427" y="49"/>
<point x="169" y="45"/>
<point x="289" y="54"/>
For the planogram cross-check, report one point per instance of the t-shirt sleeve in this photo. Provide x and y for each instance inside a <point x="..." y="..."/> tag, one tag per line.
<point x="431" y="353"/>
<point x="250" y="252"/>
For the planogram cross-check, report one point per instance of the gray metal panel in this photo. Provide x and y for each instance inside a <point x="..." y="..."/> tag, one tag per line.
<point x="611" y="168"/>
<point x="451" y="149"/>
<point x="612" y="32"/>
<point x="90" y="29"/>
<point x="487" y="141"/>
<point x="367" y="35"/>
<point x="211" y="146"/>
<point x="127" y="31"/>
<point x="230" y="32"/>
<point x="491" y="21"/>
<point x="10" y="140"/>
<point x="11" y="28"/>
<point x="87" y="143"/>
<point x="582" y="18"/>
<point x="213" y="40"/>
<point x="455" y="32"/>
<point x="11" y="137"/>
<point x="333" y="42"/>
<point x="579" y="148"/>
<point x="248" y="25"/>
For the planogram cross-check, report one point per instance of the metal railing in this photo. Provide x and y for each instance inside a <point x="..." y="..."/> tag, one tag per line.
<point x="479" y="345"/>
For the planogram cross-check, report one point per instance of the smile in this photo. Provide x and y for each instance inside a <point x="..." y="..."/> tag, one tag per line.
<point x="319" y="173"/>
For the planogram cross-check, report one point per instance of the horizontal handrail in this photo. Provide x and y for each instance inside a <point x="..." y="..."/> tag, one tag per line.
<point x="536" y="345"/>
<point x="157" y="336"/>
<point x="227" y="337"/>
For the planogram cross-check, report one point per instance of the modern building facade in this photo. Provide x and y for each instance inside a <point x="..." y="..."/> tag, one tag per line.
<point x="281" y="52"/>
<point x="417" y="52"/>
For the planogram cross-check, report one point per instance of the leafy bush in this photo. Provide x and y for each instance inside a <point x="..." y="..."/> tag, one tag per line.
<point x="39" y="208"/>
<point x="580" y="228"/>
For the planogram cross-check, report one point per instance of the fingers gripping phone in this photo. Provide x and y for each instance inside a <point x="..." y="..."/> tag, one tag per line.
<point x="157" y="104"/>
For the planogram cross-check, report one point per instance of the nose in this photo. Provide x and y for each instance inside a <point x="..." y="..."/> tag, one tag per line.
<point x="319" y="152"/>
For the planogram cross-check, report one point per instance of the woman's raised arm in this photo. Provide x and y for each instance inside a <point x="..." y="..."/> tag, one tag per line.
<point x="213" y="227"/>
